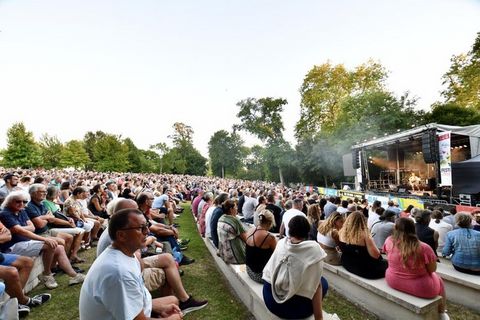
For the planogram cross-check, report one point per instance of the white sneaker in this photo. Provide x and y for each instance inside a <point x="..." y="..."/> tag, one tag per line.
<point x="443" y="316"/>
<point x="77" y="279"/>
<point x="48" y="281"/>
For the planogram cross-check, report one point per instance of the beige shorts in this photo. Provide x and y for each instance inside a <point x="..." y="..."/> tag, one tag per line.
<point x="154" y="278"/>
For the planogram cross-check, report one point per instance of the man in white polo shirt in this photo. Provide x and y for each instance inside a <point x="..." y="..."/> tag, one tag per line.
<point x="289" y="214"/>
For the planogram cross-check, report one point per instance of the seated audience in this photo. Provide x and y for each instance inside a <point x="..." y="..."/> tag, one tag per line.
<point x="260" y="245"/>
<point x="412" y="265"/>
<point x="383" y="228"/>
<point x="424" y="232"/>
<point x="294" y="286"/>
<point x="231" y="235"/>
<point x="328" y="238"/>
<point x="373" y="215"/>
<point x="360" y="255"/>
<point x="442" y="227"/>
<point x="114" y="288"/>
<point x="464" y="245"/>
<point x="25" y="242"/>
<point x="313" y="217"/>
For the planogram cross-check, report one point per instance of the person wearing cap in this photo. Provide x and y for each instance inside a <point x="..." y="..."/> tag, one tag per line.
<point x="11" y="182"/>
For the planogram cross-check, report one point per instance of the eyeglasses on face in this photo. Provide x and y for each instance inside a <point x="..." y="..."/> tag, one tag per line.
<point x="143" y="228"/>
<point x="21" y="201"/>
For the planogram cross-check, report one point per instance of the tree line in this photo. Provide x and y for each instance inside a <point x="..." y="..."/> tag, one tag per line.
<point x="339" y="108"/>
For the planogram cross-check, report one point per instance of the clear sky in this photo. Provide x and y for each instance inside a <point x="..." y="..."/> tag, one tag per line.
<point x="136" y="67"/>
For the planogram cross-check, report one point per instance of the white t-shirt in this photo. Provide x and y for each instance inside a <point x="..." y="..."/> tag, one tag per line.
<point x="114" y="289"/>
<point x="208" y="218"/>
<point x="372" y="218"/>
<point x="442" y="228"/>
<point x="288" y="215"/>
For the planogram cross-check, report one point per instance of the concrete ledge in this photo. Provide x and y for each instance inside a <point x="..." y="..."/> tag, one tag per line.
<point x="377" y="297"/>
<point x="37" y="270"/>
<point x="249" y="291"/>
<point x="461" y="288"/>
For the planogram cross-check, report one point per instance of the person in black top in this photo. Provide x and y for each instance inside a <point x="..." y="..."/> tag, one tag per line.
<point x="276" y="211"/>
<point x="260" y="245"/>
<point x="424" y="232"/>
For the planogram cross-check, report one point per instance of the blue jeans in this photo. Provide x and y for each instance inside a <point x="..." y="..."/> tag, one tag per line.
<point x="297" y="307"/>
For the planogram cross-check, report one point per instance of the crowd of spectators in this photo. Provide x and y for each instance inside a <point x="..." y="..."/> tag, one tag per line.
<point x="58" y="213"/>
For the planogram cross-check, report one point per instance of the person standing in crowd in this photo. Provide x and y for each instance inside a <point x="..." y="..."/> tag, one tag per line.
<point x="412" y="265"/>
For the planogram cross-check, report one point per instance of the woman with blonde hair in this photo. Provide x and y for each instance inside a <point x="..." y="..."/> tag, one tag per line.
<point x="412" y="265"/>
<point x="328" y="237"/>
<point x="260" y="245"/>
<point x="360" y="255"/>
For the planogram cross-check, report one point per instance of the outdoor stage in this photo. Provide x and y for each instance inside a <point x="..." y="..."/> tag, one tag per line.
<point x="427" y="162"/>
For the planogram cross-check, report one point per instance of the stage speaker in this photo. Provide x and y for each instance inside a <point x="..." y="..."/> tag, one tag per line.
<point x="430" y="146"/>
<point x="355" y="159"/>
<point x="432" y="183"/>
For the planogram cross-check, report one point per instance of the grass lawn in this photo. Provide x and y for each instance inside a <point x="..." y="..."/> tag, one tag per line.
<point x="203" y="280"/>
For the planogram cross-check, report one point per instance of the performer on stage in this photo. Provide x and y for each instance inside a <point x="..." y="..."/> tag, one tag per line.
<point x="414" y="181"/>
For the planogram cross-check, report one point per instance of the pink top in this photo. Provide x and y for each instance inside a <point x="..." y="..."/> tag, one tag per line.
<point x="414" y="278"/>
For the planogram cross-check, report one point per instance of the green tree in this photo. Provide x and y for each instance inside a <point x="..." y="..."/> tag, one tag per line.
<point x="90" y="139"/>
<point x="324" y="89"/>
<point x="262" y="118"/>
<point x="22" y="150"/>
<point x="183" y="158"/>
<point x="453" y="114"/>
<point x="51" y="151"/>
<point x="226" y="152"/>
<point x="462" y="80"/>
<point x="74" y="155"/>
<point x="135" y="159"/>
<point x="161" y="148"/>
<point x="111" y="154"/>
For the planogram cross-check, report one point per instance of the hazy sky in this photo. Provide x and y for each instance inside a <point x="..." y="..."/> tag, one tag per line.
<point x="136" y="67"/>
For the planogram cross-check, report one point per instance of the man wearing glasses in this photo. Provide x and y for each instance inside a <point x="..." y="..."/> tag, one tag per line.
<point x="114" y="288"/>
<point x="26" y="243"/>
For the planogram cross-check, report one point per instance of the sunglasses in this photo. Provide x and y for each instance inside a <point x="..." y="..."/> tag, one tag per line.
<point x="143" y="228"/>
<point x="21" y="201"/>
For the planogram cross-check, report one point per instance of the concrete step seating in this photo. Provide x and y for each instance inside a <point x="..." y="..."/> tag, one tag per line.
<point x="249" y="291"/>
<point x="377" y="297"/>
<point x="461" y="288"/>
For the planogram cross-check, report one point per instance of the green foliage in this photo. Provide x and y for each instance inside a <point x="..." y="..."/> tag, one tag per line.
<point x="74" y="155"/>
<point x="51" y="151"/>
<point x="90" y="139"/>
<point x="161" y="148"/>
<point x="453" y="114"/>
<point x="22" y="150"/>
<point x="326" y="87"/>
<point x="462" y="80"/>
<point x="262" y="117"/>
<point x="183" y="158"/>
<point x="111" y="154"/>
<point x="226" y="152"/>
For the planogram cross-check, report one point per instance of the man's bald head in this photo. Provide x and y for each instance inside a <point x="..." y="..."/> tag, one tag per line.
<point x="125" y="204"/>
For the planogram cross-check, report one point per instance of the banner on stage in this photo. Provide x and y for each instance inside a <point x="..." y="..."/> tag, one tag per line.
<point x="445" y="158"/>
